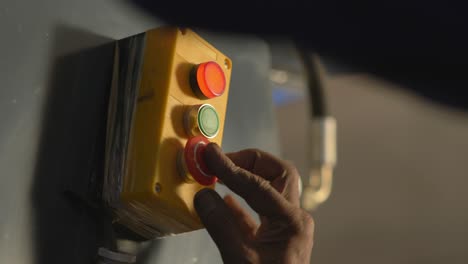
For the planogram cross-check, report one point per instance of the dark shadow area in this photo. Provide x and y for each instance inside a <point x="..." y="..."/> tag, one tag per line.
<point x="178" y="118"/>
<point x="182" y="74"/>
<point x="144" y="255"/>
<point x="419" y="45"/>
<point x="171" y="147"/>
<point x="67" y="214"/>
<point x="69" y="218"/>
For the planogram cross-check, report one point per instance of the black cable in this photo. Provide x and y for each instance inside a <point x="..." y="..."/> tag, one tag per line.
<point x="314" y="83"/>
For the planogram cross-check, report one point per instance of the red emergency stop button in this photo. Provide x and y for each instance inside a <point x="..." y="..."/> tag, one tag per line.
<point x="208" y="80"/>
<point x="193" y="161"/>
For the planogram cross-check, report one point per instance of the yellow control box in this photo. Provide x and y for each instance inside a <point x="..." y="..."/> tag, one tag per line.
<point x="169" y="85"/>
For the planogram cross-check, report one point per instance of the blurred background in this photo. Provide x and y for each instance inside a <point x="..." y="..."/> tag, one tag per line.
<point x="399" y="193"/>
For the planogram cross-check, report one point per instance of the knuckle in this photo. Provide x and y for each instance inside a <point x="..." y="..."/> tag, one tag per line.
<point x="256" y="152"/>
<point x="255" y="156"/>
<point x="254" y="186"/>
<point x="233" y="169"/>
<point x="262" y="184"/>
<point x="303" y="223"/>
<point x="308" y="224"/>
<point x="257" y="184"/>
<point x="292" y="178"/>
<point x="252" y="153"/>
<point x="290" y="171"/>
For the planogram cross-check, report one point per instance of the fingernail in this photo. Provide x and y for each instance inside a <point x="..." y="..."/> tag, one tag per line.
<point x="205" y="201"/>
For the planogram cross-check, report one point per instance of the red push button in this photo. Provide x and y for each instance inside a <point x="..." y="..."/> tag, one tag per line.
<point x="194" y="161"/>
<point x="208" y="80"/>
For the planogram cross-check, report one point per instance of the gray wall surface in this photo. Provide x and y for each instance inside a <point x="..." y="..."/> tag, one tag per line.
<point x="55" y="69"/>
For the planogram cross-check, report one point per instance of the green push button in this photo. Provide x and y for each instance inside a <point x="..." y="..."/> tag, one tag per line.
<point x="208" y="121"/>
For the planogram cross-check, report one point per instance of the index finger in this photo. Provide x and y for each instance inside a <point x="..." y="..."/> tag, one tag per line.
<point x="256" y="191"/>
<point x="283" y="176"/>
<point x="260" y="163"/>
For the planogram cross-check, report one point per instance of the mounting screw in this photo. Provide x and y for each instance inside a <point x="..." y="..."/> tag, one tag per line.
<point x="157" y="188"/>
<point x="227" y="64"/>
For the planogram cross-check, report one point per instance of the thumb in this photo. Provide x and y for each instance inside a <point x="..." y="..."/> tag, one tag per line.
<point x="219" y="222"/>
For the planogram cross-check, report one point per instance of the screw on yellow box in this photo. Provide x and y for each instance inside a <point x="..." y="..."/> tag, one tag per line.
<point x="151" y="102"/>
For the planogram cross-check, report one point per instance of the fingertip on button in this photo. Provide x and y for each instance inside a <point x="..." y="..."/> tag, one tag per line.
<point x="193" y="161"/>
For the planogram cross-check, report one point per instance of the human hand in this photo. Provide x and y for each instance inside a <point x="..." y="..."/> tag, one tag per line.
<point x="271" y="187"/>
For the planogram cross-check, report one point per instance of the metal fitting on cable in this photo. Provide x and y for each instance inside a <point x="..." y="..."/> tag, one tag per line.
<point x="323" y="160"/>
<point x="316" y="188"/>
